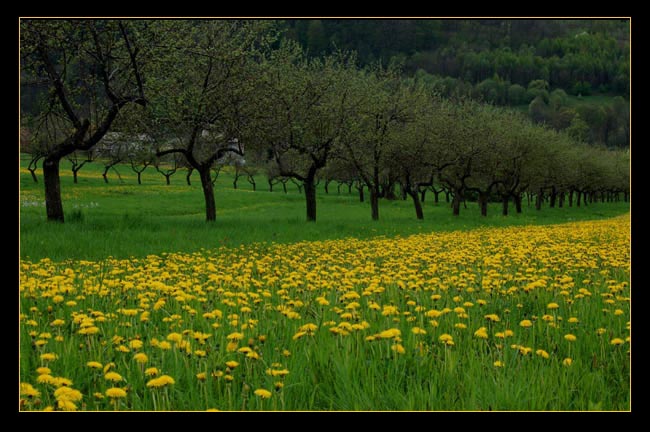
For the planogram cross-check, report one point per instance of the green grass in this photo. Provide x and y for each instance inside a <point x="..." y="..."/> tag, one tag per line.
<point x="350" y="324"/>
<point x="169" y="275"/>
<point x="123" y="219"/>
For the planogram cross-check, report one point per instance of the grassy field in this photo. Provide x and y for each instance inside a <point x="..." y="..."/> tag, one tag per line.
<point x="135" y="303"/>
<point x="123" y="219"/>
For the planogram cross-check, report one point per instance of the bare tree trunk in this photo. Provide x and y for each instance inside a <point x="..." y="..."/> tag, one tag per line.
<point x="105" y="173"/>
<point x="251" y="180"/>
<point x="33" y="166"/>
<point x="310" y="197"/>
<point x="32" y="171"/>
<point x="504" y="202"/>
<point x="579" y="193"/>
<point x="361" y="197"/>
<point x="188" y="175"/>
<point x="270" y="185"/>
<point x="538" y="199"/>
<point x="423" y="193"/>
<point x="571" y="198"/>
<point x="416" y="202"/>
<point x="74" y="176"/>
<point x="553" y="197"/>
<point x="51" y="178"/>
<point x="374" y="202"/>
<point x="518" y="199"/>
<point x="208" y="194"/>
<point x="483" y="203"/>
<point x="436" y="194"/>
<point x="455" y="203"/>
<point x="327" y="183"/>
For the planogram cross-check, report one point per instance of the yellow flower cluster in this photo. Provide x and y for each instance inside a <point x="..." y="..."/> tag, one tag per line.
<point x="438" y="294"/>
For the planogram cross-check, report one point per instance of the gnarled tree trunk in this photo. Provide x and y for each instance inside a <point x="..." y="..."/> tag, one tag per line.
<point x="52" y="180"/>
<point x="310" y="198"/>
<point x="208" y="194"/>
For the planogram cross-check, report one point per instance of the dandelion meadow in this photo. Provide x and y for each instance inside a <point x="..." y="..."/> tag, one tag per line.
<point x="514" y="318"/>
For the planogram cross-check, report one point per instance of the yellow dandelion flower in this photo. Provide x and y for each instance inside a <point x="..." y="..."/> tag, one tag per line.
<point x="264" y="394"/>
<point x="398" y="348"/>
<point x="277" y="372"/>
<point x="46" y="379"/>
<point x="136" y="344"/>
<point x="236" y="336"/>
<point x="498" y="363"/>
<point x="66" y="405"/>
<point x="152" y="371"/>
<point x="201" y="376"/>
<point x="447" y="339"/>
<point x="526" y="323"/>
<point x="43" y="370"/>
<point x="115" y="392"/>
<point x="552" y="306"/>
<point x="94" y="365"/>
<point x="481" y="333"/>
<point x="542" y="353"/>
<point x="573" y="320"/>
<point x="617" y="341"/>
<point x="141" y="358"/>
<point x="460" y="326"/>
<point x="570" y="337"/>
<point x="418" y="331"/>
<point x="165" y="346"/>
<point x="61" y="381"/>
<point x="49" y="357"/>
<point x="567" y="361"/>
<point x="161" y="381"/>
<point x="113" y="376"/>
<point x="232" y="364"/>
<point x="28" y="390"/>
<point x="390" y="333"/>
<point x="67" y="393"/>
<point x="232" y="346"/>
<point x="492" y="317"/>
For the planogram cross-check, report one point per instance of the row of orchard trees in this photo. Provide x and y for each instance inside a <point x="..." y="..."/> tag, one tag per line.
<point x="205" y="90"/>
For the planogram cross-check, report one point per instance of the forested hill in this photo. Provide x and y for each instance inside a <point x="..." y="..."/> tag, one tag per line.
<point x="566" y="53"/>
<point x="569" y="74"/>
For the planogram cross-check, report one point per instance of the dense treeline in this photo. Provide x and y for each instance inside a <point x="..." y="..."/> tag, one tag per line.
<point x="503" y="62"/>
<point x="566" y="53"/>
<point x="213" y="92"/>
